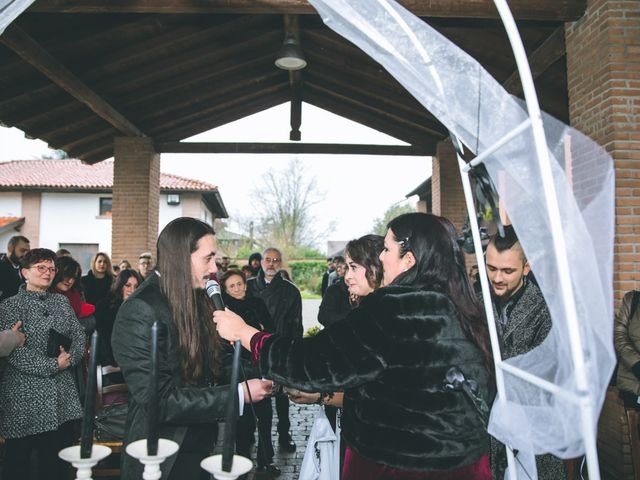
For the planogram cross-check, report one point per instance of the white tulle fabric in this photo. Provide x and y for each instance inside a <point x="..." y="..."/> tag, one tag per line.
<point x="473" y="106"/>
<point x="9" y="11"/>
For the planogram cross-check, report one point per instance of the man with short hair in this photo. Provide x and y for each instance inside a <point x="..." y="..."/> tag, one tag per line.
<point x="325" y="276"/>
<point x="523" y="322"/>
<point x="284" y="303"/>
<point x="10" y="276"/>
<point x="145" y="264"/>
<point x="224" y="264"/>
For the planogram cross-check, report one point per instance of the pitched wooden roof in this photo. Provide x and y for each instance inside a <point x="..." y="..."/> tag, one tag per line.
<point x="77" y="73"/>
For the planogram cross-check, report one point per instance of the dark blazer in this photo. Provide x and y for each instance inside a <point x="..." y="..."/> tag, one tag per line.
<point x="335" y="304"/>
<point x="283" y="301"/>
<point x="10" y="278"/>
<point x="390" y="356"/>
<point x="180" y="405"/>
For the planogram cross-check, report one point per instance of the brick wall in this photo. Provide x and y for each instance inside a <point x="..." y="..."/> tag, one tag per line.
<point x="31" y="212"/>
<point x="136" y="197"/>
<point x="603" y="70"/>
<point x="446" y="187"/>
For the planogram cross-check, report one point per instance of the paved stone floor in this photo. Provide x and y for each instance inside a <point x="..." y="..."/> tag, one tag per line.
<point x="301" y="417"/>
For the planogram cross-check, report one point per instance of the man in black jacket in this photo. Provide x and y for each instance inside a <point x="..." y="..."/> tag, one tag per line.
<point x="193" y="390"/>
<point x="10" y="277"/>
<point x="284" y="303"/>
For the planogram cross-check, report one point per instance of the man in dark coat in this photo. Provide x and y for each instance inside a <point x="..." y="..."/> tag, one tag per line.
<point x="10" y="277"/>
<point x="284" y="303"/>
<point x="523" y="322"/>
<point x="191" y="396"/>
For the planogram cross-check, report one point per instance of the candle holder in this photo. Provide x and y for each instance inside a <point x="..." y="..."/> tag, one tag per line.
<point x="213" y="465"/>
<point x="84" y="465"/>
<point x="138" y="450"/>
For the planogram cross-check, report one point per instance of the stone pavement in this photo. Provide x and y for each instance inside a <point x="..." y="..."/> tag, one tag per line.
<point x="301" y="417"/>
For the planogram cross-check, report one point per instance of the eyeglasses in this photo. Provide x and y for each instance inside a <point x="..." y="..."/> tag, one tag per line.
<point x="272" y="260"/>
<point x="45" y="269"/>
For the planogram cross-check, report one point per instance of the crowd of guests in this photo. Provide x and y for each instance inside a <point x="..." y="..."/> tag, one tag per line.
<point x="398" y="312"/>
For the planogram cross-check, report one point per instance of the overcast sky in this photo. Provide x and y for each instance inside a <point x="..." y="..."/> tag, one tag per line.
<point x="356" y="189"/>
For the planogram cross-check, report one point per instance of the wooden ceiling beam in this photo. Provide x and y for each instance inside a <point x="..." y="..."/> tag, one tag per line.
<point x="369" y="105"/>
<point x="559" y="10"/>
<point x="290" y="148"/>
<point x="550" y="51"/>
<point x="33" y="53"/>
<point x="207" y="122"/>
<point x="369" y="120"/>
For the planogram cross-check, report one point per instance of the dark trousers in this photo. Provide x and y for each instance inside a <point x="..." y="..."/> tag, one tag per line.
<point x="46" y="446"/>
<point x="247" y="427"/>
<point x="282" y="409"/>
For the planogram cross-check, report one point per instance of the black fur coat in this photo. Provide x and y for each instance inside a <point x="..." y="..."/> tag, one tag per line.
<point x="390" y="356"/>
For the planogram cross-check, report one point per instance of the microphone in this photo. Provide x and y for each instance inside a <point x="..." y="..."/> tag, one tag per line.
<point x="213" y="290"/>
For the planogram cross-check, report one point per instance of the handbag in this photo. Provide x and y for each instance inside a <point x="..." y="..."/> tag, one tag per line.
<point x="55" y="341"/>
<point x="110" y="423"/>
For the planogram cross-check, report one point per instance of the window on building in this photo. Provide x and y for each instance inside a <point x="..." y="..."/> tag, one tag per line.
<point x="105" y="206"/>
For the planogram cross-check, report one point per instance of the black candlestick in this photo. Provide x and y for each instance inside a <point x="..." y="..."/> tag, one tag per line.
<point x="152" y="437"/>
<point x="229" y="445"/>
<point x="86" y="440"/>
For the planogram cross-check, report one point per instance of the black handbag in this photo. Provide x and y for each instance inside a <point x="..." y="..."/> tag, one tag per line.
<point x="55" y="341"/>
<point x="110" y="423"/>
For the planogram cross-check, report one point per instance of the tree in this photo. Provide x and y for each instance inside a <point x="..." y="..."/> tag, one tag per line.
<point x="380" y="224"/>
<point x="285" y="200"/>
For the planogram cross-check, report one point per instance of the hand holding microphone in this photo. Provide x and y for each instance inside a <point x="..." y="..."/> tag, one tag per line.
<point x="229" y="325"/>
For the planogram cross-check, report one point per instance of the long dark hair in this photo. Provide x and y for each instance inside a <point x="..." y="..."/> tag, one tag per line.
<point x="121" y="279"/>
<point x="67" y="268"/>
<point x="365" y="251"/>
<point x="188" y="305"/>
<point x="440" y="266"/>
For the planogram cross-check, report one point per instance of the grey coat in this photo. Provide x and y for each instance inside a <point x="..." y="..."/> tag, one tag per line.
<point x="35" y="396"/>
<point x="528" y="324"/>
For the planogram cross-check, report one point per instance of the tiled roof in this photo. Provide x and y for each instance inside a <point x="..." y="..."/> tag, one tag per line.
<point x="73" y="174"/>
<point x="4" y="221"/>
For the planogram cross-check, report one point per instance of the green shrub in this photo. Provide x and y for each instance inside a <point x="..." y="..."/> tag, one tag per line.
<point x="307" y="274"/>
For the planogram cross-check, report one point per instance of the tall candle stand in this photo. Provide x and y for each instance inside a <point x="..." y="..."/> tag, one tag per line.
<point x="213" y="465"/>
<point x="138" y="450"/>
<point x="84" y="465"/>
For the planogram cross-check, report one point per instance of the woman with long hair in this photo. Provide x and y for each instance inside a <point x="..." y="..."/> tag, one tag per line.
<point x="192" y="395"/>
<point x="123" y="286"/>
<point x="96" y="284"/>
<point x="391" y="356"/>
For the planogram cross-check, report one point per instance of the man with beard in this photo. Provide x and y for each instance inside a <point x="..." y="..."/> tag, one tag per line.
<point x="523" y="322"/>
<point x="284" y="303"/>
<point x="10" y="276"/>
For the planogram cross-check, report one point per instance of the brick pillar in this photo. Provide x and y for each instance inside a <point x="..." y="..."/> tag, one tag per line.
<point x="31" y="213"/>
<point x="446" y="187"/>
<point x="136" y="198"/>
<point x="603" y="76"/>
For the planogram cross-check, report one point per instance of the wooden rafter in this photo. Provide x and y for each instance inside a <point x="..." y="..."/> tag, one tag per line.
<point x="33" y="53"/>
<point x="559" y="10"/>
<point x="551" y="50"/>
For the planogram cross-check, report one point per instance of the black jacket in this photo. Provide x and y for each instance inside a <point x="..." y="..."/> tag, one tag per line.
<point x="180" y="405"/>
<point x="335" y="304"/>
<point x="390" y="356"/>
<point x="283" y="301"/>
<point x="10" y="278"/>
<point x="96" y="290"/>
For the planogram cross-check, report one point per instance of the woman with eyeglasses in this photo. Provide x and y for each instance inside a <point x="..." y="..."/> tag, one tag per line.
<point x="391" y="356"/>
<point x="38" y="397"/>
